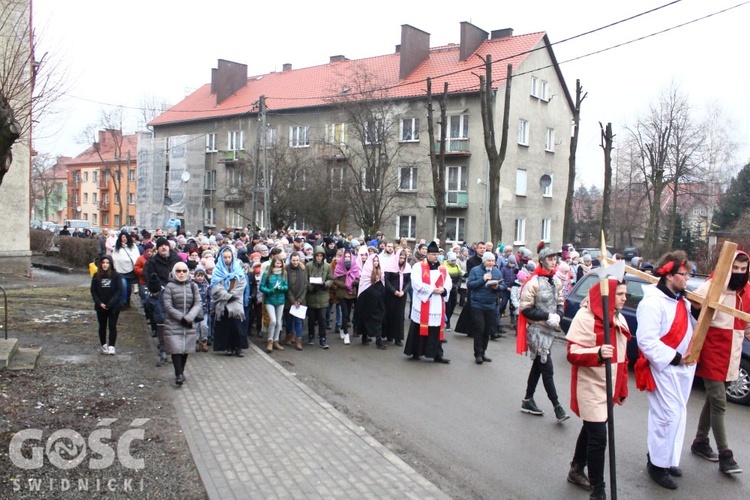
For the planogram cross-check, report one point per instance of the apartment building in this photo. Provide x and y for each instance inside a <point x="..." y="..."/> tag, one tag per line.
<point x="226" y="137"/>
<point x="98" y="175"/>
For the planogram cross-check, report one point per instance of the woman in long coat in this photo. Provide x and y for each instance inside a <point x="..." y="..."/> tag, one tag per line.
<point x="370" y="302"/>
<point x="182" y="303"/>
<point x="228" y="288"/>
<point x="397" y="286"/>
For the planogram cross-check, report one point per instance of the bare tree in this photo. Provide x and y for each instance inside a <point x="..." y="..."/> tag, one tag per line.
<point x="437" y="158"/>
<point x="28" y="86"/>
<point x="373" y="154"/>
<point x="568" y="231"/>
<point x="151" y="107"/>
<point x="494" y="157"/>
<point x="42" y="185"/>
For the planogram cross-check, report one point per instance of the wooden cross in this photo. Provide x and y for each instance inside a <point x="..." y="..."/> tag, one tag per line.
<point x="710" y="303"/>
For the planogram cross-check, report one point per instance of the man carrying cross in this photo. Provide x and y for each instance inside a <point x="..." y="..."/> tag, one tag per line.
<point x="665" y="329"/>
<point x="719" y="363"/>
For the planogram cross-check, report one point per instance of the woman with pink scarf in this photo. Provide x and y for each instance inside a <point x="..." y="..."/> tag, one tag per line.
<point x="346" y="278"/>
<point x="397" y="286"/>
<point x="370" y="302"/>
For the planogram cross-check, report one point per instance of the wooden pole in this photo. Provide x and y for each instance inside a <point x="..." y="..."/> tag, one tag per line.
<point x="604" y="288"/>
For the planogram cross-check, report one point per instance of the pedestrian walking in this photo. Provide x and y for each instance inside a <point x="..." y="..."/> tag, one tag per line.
<point x="182" y="303"/>
<point x="106" y="291"/>
<point x="397" y="288"/>
<point x="274" y="285"/>
<point x="485" y="282"/>
<point x="346" y="277"/>
<point x="228" y="287"/>
<point x="371" y="302"/>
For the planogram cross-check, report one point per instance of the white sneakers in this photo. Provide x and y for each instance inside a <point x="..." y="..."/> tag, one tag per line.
<point x="108" y="349"/>
<point x="345" y="336"/>
<point x="342" y="334"/>
<point x="112" y="350"/>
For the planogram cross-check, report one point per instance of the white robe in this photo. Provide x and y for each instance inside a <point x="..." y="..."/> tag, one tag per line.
<point x="423" y="291"/>
<point x="667" y="413"/>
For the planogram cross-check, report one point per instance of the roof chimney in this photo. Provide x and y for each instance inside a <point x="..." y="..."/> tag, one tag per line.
<point x="471" y="38"/>
<point x="337" y="58"/>
<point x="415" y="48"/>
<point x="286" y="67"/>
<point x="503" y="33"/>
<point x="227" y="78"/>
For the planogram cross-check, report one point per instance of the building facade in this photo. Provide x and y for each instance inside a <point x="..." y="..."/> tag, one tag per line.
<point x="102" y="181"/>
<point x="372" y="113"/>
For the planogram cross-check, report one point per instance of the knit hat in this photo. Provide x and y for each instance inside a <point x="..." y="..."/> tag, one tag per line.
<point x="148" y="245"/>
<point x="487" y="256"/>
<point x="199" y="269"/>
<point x="451" y="256"/>
<point x="161" y="241"/>
<point x="512" y="260"/>
<point x="587" y="258"/>
<point x="355" y="243"/>
<point x="530" y="266"/>
<point x="154" y="285"/>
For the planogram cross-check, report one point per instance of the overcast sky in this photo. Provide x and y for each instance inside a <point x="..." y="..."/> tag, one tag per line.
<point x="119" y="53"/>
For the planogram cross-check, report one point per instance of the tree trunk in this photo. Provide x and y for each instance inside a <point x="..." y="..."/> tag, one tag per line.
<point x="606" y="145"/>
<point x="568" y="229"/>
<point x="437" y="160"/>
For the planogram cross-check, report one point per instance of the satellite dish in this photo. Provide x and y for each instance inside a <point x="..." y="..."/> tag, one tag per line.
<point x="167" y="201"/>
<point x="78" y="209"/>
<point x="545" y="181"/>
<point x="185" y="176"/>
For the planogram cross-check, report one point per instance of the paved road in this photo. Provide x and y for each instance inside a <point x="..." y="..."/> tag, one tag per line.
<point x="461" y="425"/>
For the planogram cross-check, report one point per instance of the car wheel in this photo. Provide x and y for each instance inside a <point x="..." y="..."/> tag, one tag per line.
<point x="739" y="390"/>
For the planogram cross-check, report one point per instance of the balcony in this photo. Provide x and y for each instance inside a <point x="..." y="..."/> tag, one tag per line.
<point x="232" y="194"/>
<point x="330" y="151"/>
<point x="454" y="199"/>
<point x="232" y="157"/>
<point x="455" y="147"/>
<point x="103" y="206"/>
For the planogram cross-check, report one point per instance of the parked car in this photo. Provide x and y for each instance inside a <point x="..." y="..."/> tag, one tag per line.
<point x="629" y="252"/>
<point x="737" y="391"/>
<point x="596" y="253"/>
<point x="95" y="230"/>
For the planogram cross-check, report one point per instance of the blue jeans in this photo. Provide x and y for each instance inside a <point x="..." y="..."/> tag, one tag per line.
<point x="295" y="326"/>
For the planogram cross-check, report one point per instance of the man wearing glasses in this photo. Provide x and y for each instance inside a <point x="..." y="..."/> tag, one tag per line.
<point x="665" y="328"/>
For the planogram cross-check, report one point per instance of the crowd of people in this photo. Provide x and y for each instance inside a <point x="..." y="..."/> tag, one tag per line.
<point x="217" y="290"/>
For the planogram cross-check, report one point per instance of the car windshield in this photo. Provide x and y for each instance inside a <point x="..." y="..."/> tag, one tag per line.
<point x="635" y="289"/>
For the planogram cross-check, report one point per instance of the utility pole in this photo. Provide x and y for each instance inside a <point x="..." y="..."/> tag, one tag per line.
<point x="261" y="161"/>
<point x="266" y="180"/>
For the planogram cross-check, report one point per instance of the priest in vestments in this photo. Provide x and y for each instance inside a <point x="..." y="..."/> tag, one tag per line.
<point x="431" y="285"/>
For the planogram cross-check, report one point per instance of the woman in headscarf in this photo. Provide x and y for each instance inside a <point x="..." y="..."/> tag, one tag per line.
<point x="106" y="290"/>
<point x="182" y="303"/>
<point x="370" y="302"/>
<point x="346" y="276"/>
<point x="228" y="288"/>
<point x="566" y="278"/>
<point x="397" y="286"/>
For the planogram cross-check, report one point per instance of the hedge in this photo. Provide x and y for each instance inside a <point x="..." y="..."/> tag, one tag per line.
<point x="79" y="252"/>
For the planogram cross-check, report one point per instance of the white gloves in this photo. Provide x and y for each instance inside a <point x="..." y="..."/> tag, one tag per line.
<point x="553" y="320"/>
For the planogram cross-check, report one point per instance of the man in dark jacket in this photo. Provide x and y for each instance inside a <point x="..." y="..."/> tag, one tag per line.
<point x="163" y="262"/>
<point x="485" y="281"/>
<point x="320" y="279"/>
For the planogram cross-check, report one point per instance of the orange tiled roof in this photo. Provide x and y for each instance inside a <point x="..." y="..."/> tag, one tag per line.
<point x="318" y="85"/>
<point x="108" y="152"/>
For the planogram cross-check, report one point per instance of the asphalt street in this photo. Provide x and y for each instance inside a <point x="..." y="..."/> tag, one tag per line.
<point x="461" y="426"/>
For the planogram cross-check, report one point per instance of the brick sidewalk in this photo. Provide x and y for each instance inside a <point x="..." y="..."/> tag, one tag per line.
<point x="255" y="431"/>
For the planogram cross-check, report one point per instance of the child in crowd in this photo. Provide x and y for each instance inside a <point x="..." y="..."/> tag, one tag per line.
<point x="156" y="315"/>
<point x="203" y="329"/>
<point x="515" y="296"/>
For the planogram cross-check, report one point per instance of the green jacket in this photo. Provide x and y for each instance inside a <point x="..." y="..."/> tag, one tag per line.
<point x="317" y="295"/>
<point x="273" y="287"/>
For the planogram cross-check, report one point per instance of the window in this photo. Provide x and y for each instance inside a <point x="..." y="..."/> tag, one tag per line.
<point x="520" y="232"/>
<point x="546" y="230"/>
<point x="270" y="137"/>
<point x="211" y="143"/>
<point x="117" y="220"/>
<point x="374" y="132"/>
<point x="370" y="178"/>
<point x="131" y="220"/>
<point x="85" y="216"/>
<point x="407" y="179"/>
<point x="547" y="191"/>
<point x="234" y="219"/>
<point x="521" y="182"/>
<point x="209" y="216"/>
<point x="106" y="199"/>
<point x="534" y="86"/>
<point x="94" y="219"/>
<point x="455" y="228"/>
<point x="236" y="140"/>
<point x="549" y="140"/>
<point x="96" y="176"/>
<point x="93" y="197"/>
<point x="234" y="177"/>
<point x="209" y="180"/>
<point x="523" y="132"/>
<point x="544" y="91"/>
<point x="409" y="130"/>
<point x="299" y="137"/>
<point x="336" y="134"/>
<point x="131" y="198"/>
<point x="85" y="177"/>
<point x="131" y="175"/>
<point x="105" y="220"/>
<point x="406" y="226"/>
<point x="117" y="200"/>
<point x="456" y="185"/>
<point x="85" y="197"/>
<point x="458" y="127"/>
<point x="337" y="178"/>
